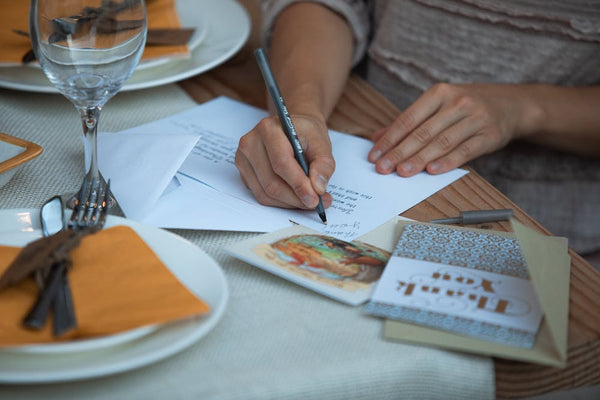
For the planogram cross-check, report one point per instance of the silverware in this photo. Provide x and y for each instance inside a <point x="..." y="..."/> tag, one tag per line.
<point x="155" y="37"/>
<point x="52" y="219"/>
<point x="88" y="216"/>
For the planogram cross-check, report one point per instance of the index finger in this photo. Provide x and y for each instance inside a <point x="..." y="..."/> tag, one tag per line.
<point x="421" y="110"/>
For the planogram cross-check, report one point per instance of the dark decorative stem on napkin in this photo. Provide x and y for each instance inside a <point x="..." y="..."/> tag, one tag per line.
<point x="155" y="37"/>
<point x="40" y="254"/>
<point x="43" y="253"/>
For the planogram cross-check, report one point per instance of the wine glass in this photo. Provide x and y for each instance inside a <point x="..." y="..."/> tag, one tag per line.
<point x="88" y="49"/>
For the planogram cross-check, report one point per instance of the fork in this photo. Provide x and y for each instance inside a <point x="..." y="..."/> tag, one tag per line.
<point x="88" y="216"/>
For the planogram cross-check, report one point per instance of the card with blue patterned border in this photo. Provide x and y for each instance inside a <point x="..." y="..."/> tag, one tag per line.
<point x="467" y="282"/>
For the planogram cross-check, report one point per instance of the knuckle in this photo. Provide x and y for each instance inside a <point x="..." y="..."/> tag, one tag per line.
<point x="445" y="142"/>
<point x="466" y="151"/>
<point x="238" y="159"/>
<point x="279" y="165"/>
<point x="442" y="89"/>
<point x="396" y="154"/>
<point x="265" y="124"/>
<point x="330" y="165"/>
<point x="262" y="198"/>
<point x="423" y="134"/>
<point x="465" y="102"/>
<point x="271" y="189"/>
<point x="324" y="164"/>
<point x="385" y="142"/>
<point x="418" y="161"/>
<point x="405" y="122"/>
<point x="299" y="189"/>
<point x="244" y="145"/>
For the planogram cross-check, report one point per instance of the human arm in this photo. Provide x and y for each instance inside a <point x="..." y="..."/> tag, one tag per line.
<point x="450" y="125"/>
<point x="311" y="73"/>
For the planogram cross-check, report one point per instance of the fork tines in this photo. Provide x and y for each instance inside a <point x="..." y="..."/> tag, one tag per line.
<point x="91" y="204"/>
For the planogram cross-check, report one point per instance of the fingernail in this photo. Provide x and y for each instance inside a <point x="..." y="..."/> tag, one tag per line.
<point x="407" y="167"/>
<point x="321" y="183"/>
<point x="434" y="167"/>
<point x="375" y="155"/>
<point x="386" y="165"/>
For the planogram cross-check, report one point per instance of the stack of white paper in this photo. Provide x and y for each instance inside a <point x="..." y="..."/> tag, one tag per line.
<point x="161" y="178"/>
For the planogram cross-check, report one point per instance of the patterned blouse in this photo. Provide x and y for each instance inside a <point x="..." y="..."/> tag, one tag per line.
<point x="406" y="46"/>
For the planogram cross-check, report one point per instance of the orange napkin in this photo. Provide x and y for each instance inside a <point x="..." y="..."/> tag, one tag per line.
<point x="14" y="14"/>
<point x="117" y="283"/>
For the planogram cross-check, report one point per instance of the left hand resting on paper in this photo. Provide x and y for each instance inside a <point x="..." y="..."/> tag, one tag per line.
<point x="449" y="125"/>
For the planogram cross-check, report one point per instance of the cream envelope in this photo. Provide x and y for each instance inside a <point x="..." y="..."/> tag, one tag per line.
<point x="548" y="264"/>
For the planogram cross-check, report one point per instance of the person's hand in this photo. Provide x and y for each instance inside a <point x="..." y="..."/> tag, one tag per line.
<point x="448" y="126"/>
<point x="267" y="166"/>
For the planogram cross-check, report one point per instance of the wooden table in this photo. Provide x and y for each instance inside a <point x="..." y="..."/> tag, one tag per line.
<point x="360" y="111"/>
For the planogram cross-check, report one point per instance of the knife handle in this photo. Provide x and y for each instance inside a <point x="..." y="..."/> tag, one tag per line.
<point x="37" y="316"/>
<point x="64" y="312"/>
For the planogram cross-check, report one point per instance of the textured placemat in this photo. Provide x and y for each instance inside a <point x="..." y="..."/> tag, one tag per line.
<point x="276" y="340"/>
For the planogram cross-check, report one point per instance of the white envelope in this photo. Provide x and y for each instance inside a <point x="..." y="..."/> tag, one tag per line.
<point x="209" y="194"/>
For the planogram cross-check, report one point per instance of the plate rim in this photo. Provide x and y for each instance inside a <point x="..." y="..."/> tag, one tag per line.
<point x="192" y="330"/>
<point x="192" y="68"/>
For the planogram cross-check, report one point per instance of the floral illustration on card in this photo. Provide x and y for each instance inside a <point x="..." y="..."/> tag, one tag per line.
<point x="347" y="265"/>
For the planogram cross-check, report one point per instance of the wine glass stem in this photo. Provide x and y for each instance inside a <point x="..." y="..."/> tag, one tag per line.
<point x="89" y="120"/>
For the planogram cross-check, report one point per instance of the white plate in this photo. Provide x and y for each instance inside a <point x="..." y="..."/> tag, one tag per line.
<point x="194" y="268"/>
<point x="227" y="28"/>
<point x="78" y="346"/>
<point x="190" y="16"/>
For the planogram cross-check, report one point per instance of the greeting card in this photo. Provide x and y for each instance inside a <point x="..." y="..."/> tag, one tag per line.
<point x="343" y="270"/>
<point x="468" y="282"/>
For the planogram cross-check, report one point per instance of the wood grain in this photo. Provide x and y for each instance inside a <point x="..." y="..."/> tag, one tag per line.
<point x="360" y="111"/>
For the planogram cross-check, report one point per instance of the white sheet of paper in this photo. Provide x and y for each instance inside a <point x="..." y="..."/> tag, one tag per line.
<point x="362" y="198"/>
<point x="193" y="205"/>
<point x="141" y="163"/>
<point x="209" y="194"/>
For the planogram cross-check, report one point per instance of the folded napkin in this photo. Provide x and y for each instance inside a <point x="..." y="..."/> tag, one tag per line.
<point x="162" y="14"/>
<point x="118" y="284"/>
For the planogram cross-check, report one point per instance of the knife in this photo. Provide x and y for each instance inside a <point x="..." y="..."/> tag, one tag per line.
<point x="52" y="219"/>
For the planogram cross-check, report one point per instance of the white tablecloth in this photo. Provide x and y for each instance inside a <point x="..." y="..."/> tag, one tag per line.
<point x="276" y="340"/>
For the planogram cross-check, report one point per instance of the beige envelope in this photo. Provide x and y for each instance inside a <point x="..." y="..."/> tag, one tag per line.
<point x="549" y="265"/>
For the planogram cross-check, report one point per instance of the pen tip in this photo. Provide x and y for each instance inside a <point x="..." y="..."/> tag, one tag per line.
<point x="323" y="218"/>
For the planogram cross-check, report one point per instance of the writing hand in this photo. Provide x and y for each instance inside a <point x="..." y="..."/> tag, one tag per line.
<point x="448" y="126"/>
<point x="267" y="166"/>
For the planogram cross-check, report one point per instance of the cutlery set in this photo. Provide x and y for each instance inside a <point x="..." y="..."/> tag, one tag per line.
<point x="154" y="37"/>
<point x="49" y="257"/>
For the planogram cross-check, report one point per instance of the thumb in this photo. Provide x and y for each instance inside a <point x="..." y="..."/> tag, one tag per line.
<point x="320" y="171"/>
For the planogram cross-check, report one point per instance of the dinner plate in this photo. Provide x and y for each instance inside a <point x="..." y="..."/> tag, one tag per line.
<point x="226" y="28"/>
<point x="192" y="266"/>
<point x="77" y="346"/>
<point x="190" y="16"/>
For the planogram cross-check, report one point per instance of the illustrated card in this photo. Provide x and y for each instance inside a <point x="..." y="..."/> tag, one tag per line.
<point x="345" y="271"/>
<point x="468" y="282"/>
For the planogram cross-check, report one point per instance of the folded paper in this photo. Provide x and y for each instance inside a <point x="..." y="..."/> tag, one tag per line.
<point x="548" y="266"/>
<point x="215" y="197"/>
<point x="473" y="283"/>
<point x="118" y="284"/>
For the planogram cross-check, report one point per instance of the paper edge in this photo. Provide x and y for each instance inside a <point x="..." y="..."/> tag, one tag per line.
<point x="532" y="242"/>
<point x="420" y="334"/>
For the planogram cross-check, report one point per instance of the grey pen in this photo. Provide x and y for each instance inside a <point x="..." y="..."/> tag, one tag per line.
<point x="284" y="118"/>
<point x="476" y="217"/>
